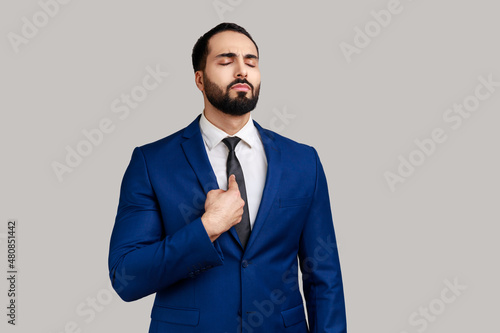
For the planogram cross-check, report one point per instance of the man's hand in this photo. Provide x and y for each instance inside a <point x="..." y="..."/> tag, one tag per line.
<point x="223" y="209"/>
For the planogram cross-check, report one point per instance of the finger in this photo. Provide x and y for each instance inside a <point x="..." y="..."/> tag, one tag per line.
<point x="232" y="185"/>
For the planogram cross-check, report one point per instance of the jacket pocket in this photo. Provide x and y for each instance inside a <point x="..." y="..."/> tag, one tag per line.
<point x="293" y="316"/>
<point x="181" y="316"/>
<point x="290" y="202"/>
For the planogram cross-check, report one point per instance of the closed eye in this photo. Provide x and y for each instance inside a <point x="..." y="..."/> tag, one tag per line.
<point x="228" y="63"/>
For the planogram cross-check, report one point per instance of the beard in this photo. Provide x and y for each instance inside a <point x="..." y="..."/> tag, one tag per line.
<point x="221" y="100"/>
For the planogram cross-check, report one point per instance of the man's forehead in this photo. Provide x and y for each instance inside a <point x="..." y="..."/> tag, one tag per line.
<point x="230" y="42"/>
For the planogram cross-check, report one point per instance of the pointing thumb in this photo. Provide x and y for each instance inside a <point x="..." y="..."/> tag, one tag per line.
<point x="232" y="183"/>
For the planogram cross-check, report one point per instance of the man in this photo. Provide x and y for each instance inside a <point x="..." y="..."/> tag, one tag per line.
<point x="214" y="218"/>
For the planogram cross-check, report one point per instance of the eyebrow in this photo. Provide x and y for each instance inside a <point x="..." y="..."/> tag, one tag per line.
<point x="233" y="55"/>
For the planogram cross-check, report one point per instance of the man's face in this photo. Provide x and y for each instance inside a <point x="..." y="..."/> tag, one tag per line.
<point x="232" y="77"/>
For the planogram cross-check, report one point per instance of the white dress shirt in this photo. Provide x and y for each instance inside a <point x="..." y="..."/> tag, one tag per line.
<point x="249" y="151"/>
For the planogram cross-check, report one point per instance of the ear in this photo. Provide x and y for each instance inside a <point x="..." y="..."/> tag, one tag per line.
<point x="198" y="79"/>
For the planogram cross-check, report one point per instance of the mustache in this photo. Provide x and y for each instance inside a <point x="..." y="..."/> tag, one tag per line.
<point x="242" y="81"/>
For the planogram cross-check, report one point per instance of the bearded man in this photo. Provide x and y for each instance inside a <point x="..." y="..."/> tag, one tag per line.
<point x="217" y="218"/>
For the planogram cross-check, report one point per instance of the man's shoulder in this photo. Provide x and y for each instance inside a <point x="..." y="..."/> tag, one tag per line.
<point x="296" y="158"/>
<point x="284" y="143"/>
<point x="172" y="141"/>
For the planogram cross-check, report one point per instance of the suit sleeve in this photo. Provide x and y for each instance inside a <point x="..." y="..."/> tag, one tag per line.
<point x="142" y="258"/>
<point x="319" y="263"/>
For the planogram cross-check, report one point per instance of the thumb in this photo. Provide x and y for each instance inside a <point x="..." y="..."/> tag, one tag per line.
<point x="232" y="184"/>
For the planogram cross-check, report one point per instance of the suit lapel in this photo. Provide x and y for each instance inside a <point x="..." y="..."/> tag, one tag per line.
<point x="196" y="154"/>
<point x="273" y="155"/>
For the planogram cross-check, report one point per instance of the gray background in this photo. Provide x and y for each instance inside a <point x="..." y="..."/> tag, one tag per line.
<point x="397" y="247"/>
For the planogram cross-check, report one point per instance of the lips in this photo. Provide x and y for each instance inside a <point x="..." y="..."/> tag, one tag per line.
<point x="240" y="87"/>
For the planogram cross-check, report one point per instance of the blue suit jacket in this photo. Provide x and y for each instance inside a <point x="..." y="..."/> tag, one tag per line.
<point x="159" y="244"/>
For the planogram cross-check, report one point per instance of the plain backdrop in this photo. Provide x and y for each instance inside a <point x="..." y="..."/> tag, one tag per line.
<point x="364" y="114"/>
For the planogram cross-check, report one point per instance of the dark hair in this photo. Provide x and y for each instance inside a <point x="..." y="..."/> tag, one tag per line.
<point x="200" y="49"/>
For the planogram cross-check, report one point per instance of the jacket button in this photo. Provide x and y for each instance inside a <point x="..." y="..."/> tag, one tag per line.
<point x="244" y="264"/>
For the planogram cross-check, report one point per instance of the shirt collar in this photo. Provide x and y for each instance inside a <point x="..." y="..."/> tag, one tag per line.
<point x="212" y="135"/>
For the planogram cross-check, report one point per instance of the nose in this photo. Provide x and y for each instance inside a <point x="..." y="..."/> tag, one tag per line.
<point x="241" y="70"/>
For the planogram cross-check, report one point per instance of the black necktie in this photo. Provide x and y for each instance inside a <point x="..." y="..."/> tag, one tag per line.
<point x="233" y="166"/>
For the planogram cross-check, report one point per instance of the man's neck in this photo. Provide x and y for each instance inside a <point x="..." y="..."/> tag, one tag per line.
<point x="226" y="122"/>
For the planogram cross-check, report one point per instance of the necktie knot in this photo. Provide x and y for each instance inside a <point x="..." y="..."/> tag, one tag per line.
<point x="231" y="142"/>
